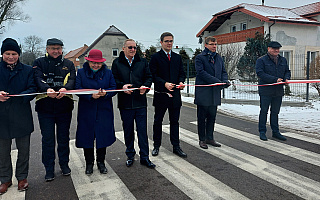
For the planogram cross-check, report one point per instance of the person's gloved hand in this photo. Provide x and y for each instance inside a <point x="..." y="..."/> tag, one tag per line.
<point x="227" y="84"/>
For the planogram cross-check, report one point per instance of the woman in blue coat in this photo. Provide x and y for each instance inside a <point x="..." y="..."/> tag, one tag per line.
<point x="95" y="111"/>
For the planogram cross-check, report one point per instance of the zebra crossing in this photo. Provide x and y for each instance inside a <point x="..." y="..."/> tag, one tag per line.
<point x="195" y="181"/>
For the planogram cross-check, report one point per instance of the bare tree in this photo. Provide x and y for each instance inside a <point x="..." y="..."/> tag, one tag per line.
<point x="32" y="49"/>
<point x="11" y="12"/>
<point x="231" y="53"/>
<point x="315" y="73"/>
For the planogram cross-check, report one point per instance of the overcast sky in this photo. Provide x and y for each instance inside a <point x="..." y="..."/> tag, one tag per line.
<point x="79" y="22"/>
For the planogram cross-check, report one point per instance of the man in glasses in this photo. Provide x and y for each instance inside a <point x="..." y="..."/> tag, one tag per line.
<point x="53" y="74"/>
<point x="210" y="69"/>
<point x="167" y="72"/>
<point x="131" y="71"/>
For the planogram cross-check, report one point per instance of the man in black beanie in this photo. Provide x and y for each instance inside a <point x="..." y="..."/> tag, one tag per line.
<point x="53" y="74"/>
<point x="15" y="78"/>
<point x="10" y="44"/>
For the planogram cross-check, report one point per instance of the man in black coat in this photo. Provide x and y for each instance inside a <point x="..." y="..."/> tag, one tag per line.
<point x="129" y="70"/>
<point x="167" y="72"/>
<point x="53" y="74"/>
<point x="210" y="69"/>
<point x="271" y="68"/>
<point x="16" y="121"/>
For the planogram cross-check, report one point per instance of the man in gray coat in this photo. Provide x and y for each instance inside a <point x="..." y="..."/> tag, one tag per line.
<point x="210" y="69"/>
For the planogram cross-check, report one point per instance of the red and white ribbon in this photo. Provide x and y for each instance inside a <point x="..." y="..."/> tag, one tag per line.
<point x="92" y="91"/>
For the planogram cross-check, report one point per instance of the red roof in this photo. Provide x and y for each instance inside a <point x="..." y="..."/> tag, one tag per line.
<point x="307" y="10"/>
<point x="74" y="52"/>
<point x="299" y="15"/>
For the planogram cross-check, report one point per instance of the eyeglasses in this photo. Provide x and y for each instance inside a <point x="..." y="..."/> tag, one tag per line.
<point x="58" y="48"/>
<point x="167" y="41"/>
<point x="132" y="47"/>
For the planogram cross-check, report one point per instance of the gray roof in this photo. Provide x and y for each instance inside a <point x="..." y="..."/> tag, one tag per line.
<point x="112" y="30"/>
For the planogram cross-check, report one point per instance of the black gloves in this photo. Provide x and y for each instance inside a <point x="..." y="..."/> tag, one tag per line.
<point x="227" y="84"/>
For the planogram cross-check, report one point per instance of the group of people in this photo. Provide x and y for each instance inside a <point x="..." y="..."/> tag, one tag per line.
<point x="52" y="75"/>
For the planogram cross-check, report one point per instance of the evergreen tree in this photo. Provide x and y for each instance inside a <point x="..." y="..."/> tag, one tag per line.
<point x="193" y="64"/>
<point x="149" y="52"/>
<point x="139" y="49"/>
<point x="255" y="48"/>
<point x="184" y="54"/>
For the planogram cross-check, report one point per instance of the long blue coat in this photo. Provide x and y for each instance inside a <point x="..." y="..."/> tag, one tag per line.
<point x="209" y="73"/>
<point x="95" y="116"/>
<point x="15" y="113"/>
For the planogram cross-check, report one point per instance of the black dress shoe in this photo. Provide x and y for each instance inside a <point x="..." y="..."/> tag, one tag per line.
<point x="155" y="152"/>
<point x="213" y="143"/>
<point x="89" y="169"/>
<point x="102" y="167"/>
<point x="65" y="170"/>
<point x="178" y="151"/>
<point x="147" y="163"/>
<point x="279" y="136"/>
<point x="129" y="162"/>
<point x="203" y="144"/>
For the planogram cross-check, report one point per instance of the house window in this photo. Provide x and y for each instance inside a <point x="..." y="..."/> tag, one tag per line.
<point x="115" y="52"/>
<point x="287" y="55"/>
<point x="313" y="55"/>
<point x="233" y="28"/>
<point x="243" y="26"/>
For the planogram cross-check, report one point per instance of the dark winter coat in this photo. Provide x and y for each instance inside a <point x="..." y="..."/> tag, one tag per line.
<point x="95" y="116"/>
<point x="55" y="74"/>
<point x="15" y="113"/>
<point x="269" y="72"/>
<point x="209" y="73"/>
<point x="138" y="74"/>
<point x="164" y="71"/>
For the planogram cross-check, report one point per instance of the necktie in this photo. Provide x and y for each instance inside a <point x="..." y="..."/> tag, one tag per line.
<point x="169" y="56"/>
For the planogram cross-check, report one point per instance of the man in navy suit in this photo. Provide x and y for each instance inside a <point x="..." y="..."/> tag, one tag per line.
<point x="167" y="72"/>
<point x="210" y="69"/>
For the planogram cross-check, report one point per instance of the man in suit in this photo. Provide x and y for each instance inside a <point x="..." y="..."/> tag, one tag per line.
<point x="129" y="70"/>
<point x="210" y="69"/>
<point x="167" y="72"/>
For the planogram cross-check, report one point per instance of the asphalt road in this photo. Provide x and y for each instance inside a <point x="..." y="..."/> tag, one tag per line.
<point x="243" y="168"/>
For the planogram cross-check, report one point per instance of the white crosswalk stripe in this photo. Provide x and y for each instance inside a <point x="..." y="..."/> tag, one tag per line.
<point x="96" y="186"/>
<point x="189" y="179"/>
<point x="12" y="192"/>
<point x="291" y="151"/>
<point x="302" y="137"/>
<point x="285" y="179"/>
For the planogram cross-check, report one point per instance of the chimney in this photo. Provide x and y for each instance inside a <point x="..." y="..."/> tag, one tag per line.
<point x="263" y="2"/>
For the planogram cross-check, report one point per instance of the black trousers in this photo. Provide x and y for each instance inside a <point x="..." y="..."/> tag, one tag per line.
<point x="174" y="114"/>
<point x="206" y="119"/>
<point x="22" y="165"/>
<point x="89" y="154"/>
<point x="128" y="117"/>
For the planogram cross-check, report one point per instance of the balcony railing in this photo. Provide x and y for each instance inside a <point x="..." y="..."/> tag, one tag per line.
<point x="238" y="36"/>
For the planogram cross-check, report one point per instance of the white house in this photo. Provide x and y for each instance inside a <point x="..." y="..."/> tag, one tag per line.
<point x="297" y="29"/>
<point x="110" y="43"/>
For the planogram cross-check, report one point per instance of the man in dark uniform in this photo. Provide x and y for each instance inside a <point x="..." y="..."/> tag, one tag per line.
<point x="53" y="74"/>
<point x="271" y="68"/>
<point x="167" y="72"/>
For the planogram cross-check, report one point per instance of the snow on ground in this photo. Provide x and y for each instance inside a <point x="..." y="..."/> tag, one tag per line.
<point x="303" y="119"/>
